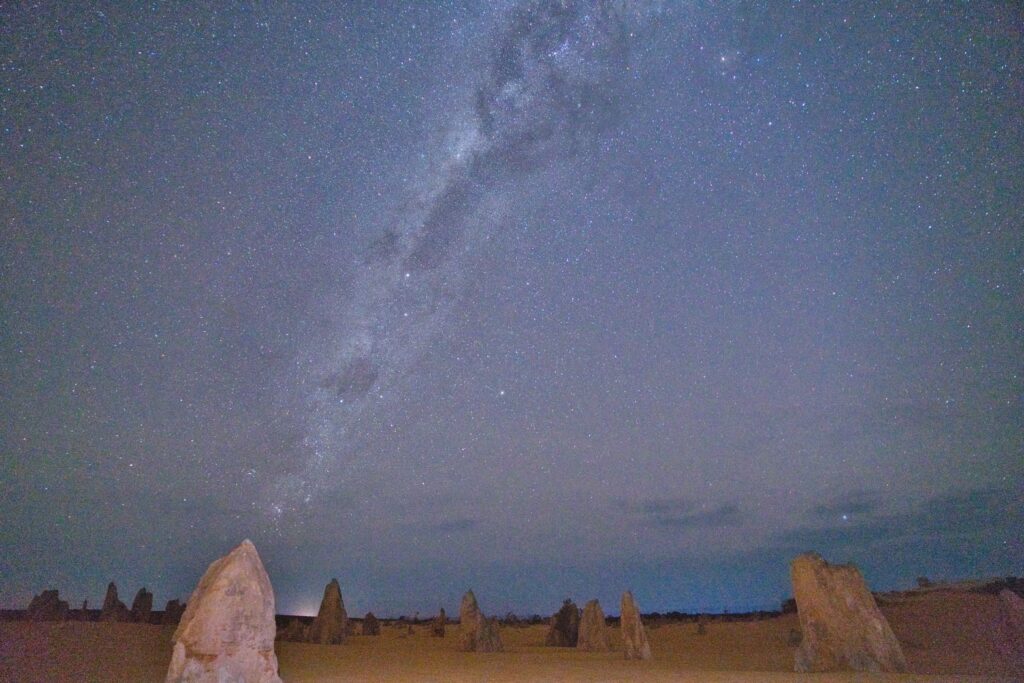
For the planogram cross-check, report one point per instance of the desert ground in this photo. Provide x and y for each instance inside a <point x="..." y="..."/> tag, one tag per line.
<point x="946" y="636"/>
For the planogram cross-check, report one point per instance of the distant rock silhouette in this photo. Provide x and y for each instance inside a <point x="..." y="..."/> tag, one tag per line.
<point x="565" y="626"/>
<point x="227" y="631"/>
<point x="47" y="606"/>
<point x="294" y="632"/>
<point x="330" y="625"/>
<point x="172" y="612"/>
<point x="593" y="635"/>
<point x="142" y="606"/>
<point x="371" y="625"/>
<point x="476" y="632"/>
<point x="634" y="635"/>
<point x="841" y="625"/>
<point x="113" y="609"/>
<point x="437" y="626"/>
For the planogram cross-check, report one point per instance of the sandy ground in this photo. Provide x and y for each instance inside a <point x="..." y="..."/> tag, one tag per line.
<point x="945" y="637"/>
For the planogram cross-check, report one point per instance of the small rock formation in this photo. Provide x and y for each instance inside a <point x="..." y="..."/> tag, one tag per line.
<point x="437" y="626"/>
<point x="172" y="612"/>
<point x="294" y="632"/>
<point x="634" y="635"/>
<point x="47" y="606"/>
<point x="1010" y="638"/>
<point x="113" y="609"/>
<point x="565" y="626"/>
<point x="142" y="606"/>
<point x="469" y="622"/>
<point x="477" y="633"/>
<point x="841" y="625"/>
<point x="329" y="627"/>
<point x="227" y="631"/>
<point x="593" y="634"/>
<point x="371" y="625"/>
<point x="488" y="636"/>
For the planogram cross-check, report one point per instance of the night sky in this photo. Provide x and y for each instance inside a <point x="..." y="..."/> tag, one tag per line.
<point x="544" y="299"/>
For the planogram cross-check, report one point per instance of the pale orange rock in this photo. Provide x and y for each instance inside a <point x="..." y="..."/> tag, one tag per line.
<point x="469" y="622"/>
<point x="477" y="633"/>
<point x="593" y="633"/>
<point x="329" y="627"/>
<point x="371" y="625"/>
<point x="842" y="626"/>
<point x="634" y="635"/>
<point x="488" y="636"/>
<point x="227" y="631"/>
<point x="437" y="626"/>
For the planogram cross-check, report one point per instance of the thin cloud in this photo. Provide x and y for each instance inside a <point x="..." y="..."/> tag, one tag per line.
<point x="682" y="514"/>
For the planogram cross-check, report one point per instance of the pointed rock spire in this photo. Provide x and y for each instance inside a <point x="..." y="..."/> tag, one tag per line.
<point x="227" y="631"/>
<point x="593" y="635"/>
<point x="113" y="608"/>
<point x="634" y="635"/>
<point x="329" y="627"/>
<point x="477" y="633"/>
<point x="841" y="624"/>
<point x="142" y="606"/>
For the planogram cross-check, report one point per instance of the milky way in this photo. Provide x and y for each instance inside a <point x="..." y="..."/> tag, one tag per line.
<point x="543" y="298"/>
<point x="550" y="87"/>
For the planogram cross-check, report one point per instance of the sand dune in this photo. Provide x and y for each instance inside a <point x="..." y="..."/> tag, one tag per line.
<point x="945" y="635"/>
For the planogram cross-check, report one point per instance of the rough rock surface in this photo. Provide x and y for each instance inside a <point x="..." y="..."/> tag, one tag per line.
<point x="634" y="635"/>
<point x="469" y="621"/>
<point x="842" y="626"/>
<point x="172" y="612"/>
<point x="593" y="635"/>
<point x="437" y="626"/>
<point x="329" y="627"/>
<point x="565" y="626"/>
<point x="113" y="608"/>
<point x="488" y="636"/>
<point x="227" y="631"/>
<point x="371" y="625"/>
<point x="476" y="632"/>
<point x="142" y="606"/>
<point x="47" y="606"/>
